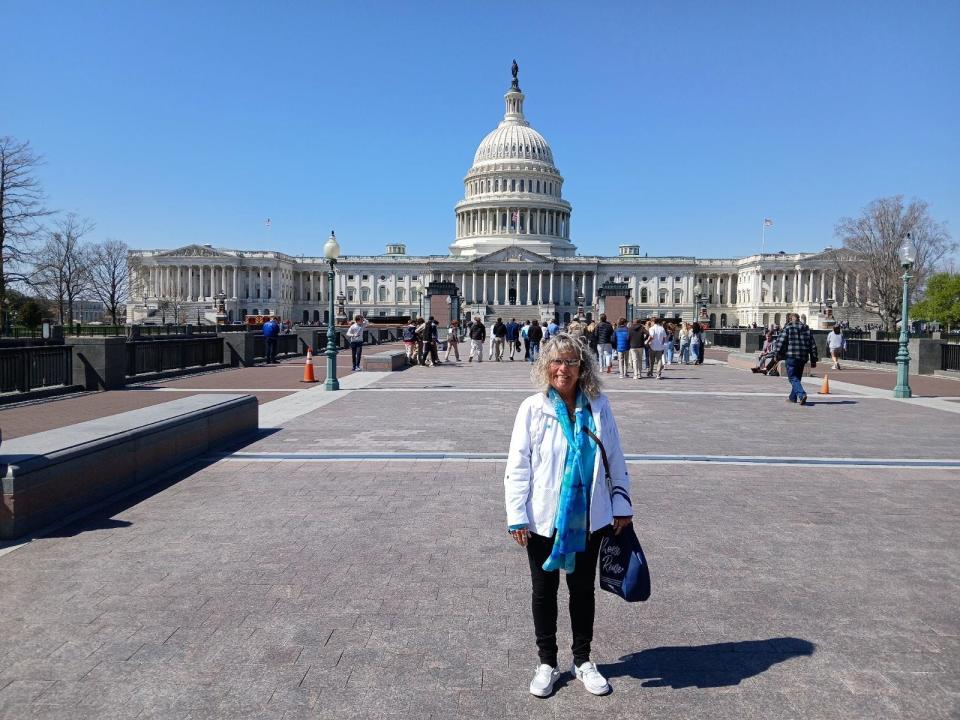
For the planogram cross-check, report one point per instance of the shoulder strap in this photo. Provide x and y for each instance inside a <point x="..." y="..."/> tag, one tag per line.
<point x="613" y="489"/>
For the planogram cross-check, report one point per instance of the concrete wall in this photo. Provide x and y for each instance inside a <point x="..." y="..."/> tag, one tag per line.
<point x="48" y="476"/>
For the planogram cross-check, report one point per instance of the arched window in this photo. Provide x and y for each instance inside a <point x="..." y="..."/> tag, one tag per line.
<point x="521" y="186"/>
<point x="513" y="185"/>
<point x="400" y="294"/>
<point x="644" y="296"/>
<point x="351" y="294"/>
<point x="382" y="293"/>
<point x="364" y="295"/>
<point x="677" y="297"/>
<point x="496" y="185"/>
<point x="662" y="297"/>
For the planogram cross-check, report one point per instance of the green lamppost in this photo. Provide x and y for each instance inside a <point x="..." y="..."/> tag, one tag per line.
<point x="908" y="256"/>
<point x="331" y="251"/>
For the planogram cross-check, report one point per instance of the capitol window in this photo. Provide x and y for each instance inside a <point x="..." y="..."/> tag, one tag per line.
<point x="662" y="297"/>
<point x="677" y="297"/>
<point x="643" y="279"/>
<point x="644" y="296"/>
<point x="513" y="185"/>
<point x="349" y="277"/>
<point x="351" y="294"/>
<point x="382" y="294"/>
<point x="677" y="278"/>
<point x="400" y="294"/>
<point x="364" y="294"/>
<point x="521" y="186"/>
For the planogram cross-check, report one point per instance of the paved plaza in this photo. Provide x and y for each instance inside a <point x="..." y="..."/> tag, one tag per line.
<point x="352" y="562"/>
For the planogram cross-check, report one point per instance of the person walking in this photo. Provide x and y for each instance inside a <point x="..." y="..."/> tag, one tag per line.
<point x="836" y="344"/>
<point x="638" y="340"/>
<point x="552" y="329"/>
<point x="499" y="333"/>
<point x="604" y="331"/>
<point x="684" y="336"/>
<point x="622" y="337"/>
<point x="656" y="341"/>
<point x="795" y="345"/>
<point x="431" y="339"/>
<point x="271" y="329"/>
<point x="355" y="339"/>
<point x="410" y="341"/>
<point x="453" y="341"/>
<point x="478" y="333"/>
<point x="525" y="336"/>
<point x="558" y="504"/>
<point x="513" y="337"/>
<point x="534" y="335"/>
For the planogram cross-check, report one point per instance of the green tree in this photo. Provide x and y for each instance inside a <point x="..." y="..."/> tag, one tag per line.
<point x="31" y="314"/>
<point x="941" y="301"/>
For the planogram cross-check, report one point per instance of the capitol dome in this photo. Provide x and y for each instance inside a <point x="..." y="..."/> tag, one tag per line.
<point x="513" y="191"/>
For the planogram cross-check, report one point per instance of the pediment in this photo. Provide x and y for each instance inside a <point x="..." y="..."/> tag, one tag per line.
<point x="194" y="251"/>
<point x="513" y="254"/>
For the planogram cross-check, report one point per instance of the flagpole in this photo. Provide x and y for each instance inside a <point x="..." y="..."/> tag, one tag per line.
<point x="763" y="235"/>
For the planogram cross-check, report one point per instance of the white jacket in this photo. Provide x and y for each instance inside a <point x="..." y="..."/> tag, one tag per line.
<point x="534" y="472"/>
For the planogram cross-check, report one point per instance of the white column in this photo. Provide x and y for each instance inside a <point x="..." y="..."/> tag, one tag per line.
<point x="540" y="288"/>
<point x="496" y="288"/>
<point x="473" y="289"/>
<point x="190" y="283"/>
<point x="484" y="288"/>
<point x="530" y="287"/>
<point x="550" y="287"/>
<point x="583" y="285"/>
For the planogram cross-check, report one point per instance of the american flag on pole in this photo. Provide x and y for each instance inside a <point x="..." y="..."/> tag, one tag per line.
<point x="268" y="223"/>
<point x="767" y="222"/>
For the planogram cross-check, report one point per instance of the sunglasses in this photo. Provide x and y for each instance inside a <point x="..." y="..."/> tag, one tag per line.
<point x="569" y="362"/>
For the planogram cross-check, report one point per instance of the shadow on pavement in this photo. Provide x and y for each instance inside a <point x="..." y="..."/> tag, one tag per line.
<point x="706" y="666"/>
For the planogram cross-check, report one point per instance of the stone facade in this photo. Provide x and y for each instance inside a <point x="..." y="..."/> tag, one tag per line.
<point x="512" y="256"/>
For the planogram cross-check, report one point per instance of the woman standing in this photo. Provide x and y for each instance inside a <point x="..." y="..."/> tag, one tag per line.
<point x="685" y="343"/>
<point x="453" y="341"/>
<point x="622" y="337"/>
<point x="836" y="345"/>
<point x="355" y="338"/>
<point x="696" y="344"/>
<point x="558" y="504"/>
<point x="671" y="338"/>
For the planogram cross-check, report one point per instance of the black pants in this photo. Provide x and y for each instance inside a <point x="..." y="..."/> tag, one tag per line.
<point x="581" y="587"/>
<point x="356" y="349"/>
<point x="271" y="349"/>
<point x="429" y="348"/>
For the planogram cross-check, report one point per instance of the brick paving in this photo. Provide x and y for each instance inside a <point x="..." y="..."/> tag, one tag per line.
<point x="311" y="588"/>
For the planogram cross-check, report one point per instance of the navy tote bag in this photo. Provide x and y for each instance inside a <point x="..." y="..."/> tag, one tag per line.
<point x="623" y="566"/>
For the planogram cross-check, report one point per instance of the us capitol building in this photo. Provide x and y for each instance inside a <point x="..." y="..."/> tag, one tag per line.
<point x="512" y="256"/>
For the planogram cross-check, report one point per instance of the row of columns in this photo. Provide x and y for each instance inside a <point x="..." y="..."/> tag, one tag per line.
<point x="502" y="221"/>
<point x="204" y="282"/>
<point x="532" y="287"/>
<point x="809" y="286"/>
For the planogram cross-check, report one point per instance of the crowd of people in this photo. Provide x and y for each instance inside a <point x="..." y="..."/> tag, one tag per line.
<point x="631" y="349"/>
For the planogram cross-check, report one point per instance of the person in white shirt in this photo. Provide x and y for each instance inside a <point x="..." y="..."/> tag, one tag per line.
<point x="545" y="489"/>
<point x="355" y="338"/>
<point x="836" y="345"/>
<point x="657" y="341"/>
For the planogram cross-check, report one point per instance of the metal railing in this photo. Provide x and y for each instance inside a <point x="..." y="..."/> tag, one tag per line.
<point x="155" y="356"/>
<point x="950" y="356"/>
<point x="878" y="351"/>
<point x="175" y="330"/>
<point x="29" y="368"/>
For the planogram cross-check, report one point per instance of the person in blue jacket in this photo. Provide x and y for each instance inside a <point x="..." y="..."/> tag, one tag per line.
<point x="271" y="329"/>
<point x="622" y="339"/>
<point x="513" y="336"/>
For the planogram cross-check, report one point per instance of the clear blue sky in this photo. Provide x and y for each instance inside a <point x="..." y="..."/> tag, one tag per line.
<point x="677" y="125"/>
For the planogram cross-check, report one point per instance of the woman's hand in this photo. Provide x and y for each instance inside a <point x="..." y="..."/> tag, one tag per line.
<point x="520" y="536"/>
<point x="619" y="523"/>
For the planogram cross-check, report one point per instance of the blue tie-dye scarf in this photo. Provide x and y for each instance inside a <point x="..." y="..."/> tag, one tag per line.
<point x="572" y="521"/>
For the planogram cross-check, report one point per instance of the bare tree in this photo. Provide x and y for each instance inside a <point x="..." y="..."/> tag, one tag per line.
<point x="62" y="266"/>
<point x="871" y="244"/>
<point x="21" y="208"/>
<point x="109" y="275"/>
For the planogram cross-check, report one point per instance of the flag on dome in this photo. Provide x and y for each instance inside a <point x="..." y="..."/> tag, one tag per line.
<point x="767" y="222"/>
<point x="268" y="222"/>
<point x="516" y="217"/>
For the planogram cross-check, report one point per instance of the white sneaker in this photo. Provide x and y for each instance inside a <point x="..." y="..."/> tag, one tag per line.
<point x="543" y="680"/>
<point x="591" y="678"/>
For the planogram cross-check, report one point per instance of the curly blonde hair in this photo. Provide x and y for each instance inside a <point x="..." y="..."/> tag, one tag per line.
<point x="559" y="344"/>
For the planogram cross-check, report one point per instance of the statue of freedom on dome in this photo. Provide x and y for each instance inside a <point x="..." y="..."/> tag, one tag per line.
<point x="515" y="69"/>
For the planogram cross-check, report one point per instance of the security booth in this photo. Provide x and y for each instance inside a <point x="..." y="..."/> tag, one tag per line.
<point x="613" y="300"/>
<point x="443" y="301"/>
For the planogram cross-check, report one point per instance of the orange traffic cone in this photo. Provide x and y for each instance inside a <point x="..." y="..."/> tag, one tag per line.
<point x="825" y="388"/>
<point x="308" y="368"/>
